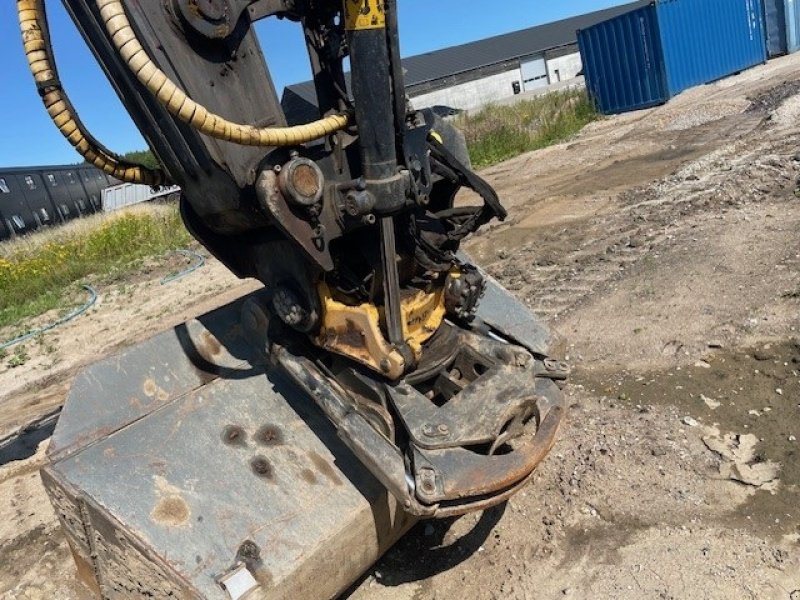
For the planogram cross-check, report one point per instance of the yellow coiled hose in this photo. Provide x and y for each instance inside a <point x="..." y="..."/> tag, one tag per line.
<point x="35" y="38"/>
<point x="187" y="110"/>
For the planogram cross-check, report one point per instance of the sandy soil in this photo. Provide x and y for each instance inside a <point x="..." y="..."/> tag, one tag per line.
<point x="664" y="245"/>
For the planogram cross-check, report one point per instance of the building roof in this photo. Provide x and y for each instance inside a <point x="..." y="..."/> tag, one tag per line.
<point x="54" y="168"/>
<point x="439" y="64"/>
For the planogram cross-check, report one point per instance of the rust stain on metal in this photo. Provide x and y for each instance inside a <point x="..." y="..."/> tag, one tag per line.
<point x="262" y="468"/>
<point x="210" y="343"/>
<point x="234" y="435"/>
<point x="325" y="468"/>
<point x="109" y="452"/>
<point x="349" y="340"/>
<point x="308" y="476"/>
<point x="172" y="511"/>
<point x="269" y="435"/>
<point x="152" y="390"/>
<point x="86" y="571"/>
<point x="149" y="388"/>
<point x="305" y="180"/>
<point x="351" y="336"/>
<point x="250" y="554"/>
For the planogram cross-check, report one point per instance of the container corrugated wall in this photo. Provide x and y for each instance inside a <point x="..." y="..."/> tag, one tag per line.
<point x="668" y="47"/>
<point x="706" y="40"/>
<point x="792" y="10"/>
<point x="623" y="62"/>
<point x="775" y="26"/>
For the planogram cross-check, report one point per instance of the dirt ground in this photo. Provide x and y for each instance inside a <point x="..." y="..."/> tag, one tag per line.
<point x="665" y="246"/>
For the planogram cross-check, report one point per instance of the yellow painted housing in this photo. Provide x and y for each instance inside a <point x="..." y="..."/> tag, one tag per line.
<point x="355" y="331"/>
<point x="364" y="14"/>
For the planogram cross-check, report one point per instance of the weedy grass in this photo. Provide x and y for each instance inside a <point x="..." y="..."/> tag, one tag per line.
<point x="41" y="271"/>
<point x="497" y="133"/>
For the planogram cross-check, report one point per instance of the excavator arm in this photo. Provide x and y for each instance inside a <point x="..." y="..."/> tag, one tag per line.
<point x="351" y="223"/>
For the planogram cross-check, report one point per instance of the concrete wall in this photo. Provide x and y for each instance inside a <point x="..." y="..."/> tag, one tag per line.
<point x="568" y="66"/>
<point x="496" y="88"/>
<point x="473" y="94"/>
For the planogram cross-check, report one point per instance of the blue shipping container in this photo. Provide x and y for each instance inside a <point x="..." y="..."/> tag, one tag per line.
<point x="645" y="57"/>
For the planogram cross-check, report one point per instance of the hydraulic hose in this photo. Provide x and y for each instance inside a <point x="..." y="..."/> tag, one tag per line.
<point x="69" y="317"/>
<point x="182" y="107"/>
<point x="41" y="61"/>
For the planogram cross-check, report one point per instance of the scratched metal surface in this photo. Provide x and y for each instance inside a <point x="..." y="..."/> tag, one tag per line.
<point x="121" y="389"/>
<point x="500" y="309"/>
<point x="237" y="460"/>
<point x="185" y="444"/>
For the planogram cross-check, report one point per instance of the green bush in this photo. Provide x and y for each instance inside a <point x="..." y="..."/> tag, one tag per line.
<point x="498" y="133"/>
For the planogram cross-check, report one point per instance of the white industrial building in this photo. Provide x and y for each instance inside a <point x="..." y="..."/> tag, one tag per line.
<point x="473" y="75"/>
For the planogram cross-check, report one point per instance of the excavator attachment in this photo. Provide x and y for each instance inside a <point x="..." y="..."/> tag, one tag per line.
<point x="185" y="468"/>
<point x="467" y="429"/>
<point x="379" y="377"/>
<point x="190" y="466"/>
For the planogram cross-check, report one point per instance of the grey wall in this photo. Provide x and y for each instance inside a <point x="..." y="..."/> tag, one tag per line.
<point x="568" y="66"/>
<point x="480" y="92"/>
<point x="473" y="94"/>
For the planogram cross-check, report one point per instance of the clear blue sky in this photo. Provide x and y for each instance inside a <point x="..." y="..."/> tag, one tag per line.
<point x="27" y="137"/>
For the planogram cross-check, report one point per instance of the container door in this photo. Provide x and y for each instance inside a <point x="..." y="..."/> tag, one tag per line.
<point x="4" y="231"/>
<point x="775" y="25"/>
<point x="5" y="224"/>
<point x="534" y="74"/>
<point x="77" y="192"/>
<point x="38" y="198"/>
<point x="623" y="62"/>
<point x="57" y="187"/>
<point x="792" y="11"/>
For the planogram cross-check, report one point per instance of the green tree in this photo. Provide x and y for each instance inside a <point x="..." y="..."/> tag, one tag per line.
<point x="142" y="157"/>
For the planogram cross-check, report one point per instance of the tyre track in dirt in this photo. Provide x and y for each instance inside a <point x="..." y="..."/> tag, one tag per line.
<point x="558" y="270"/>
